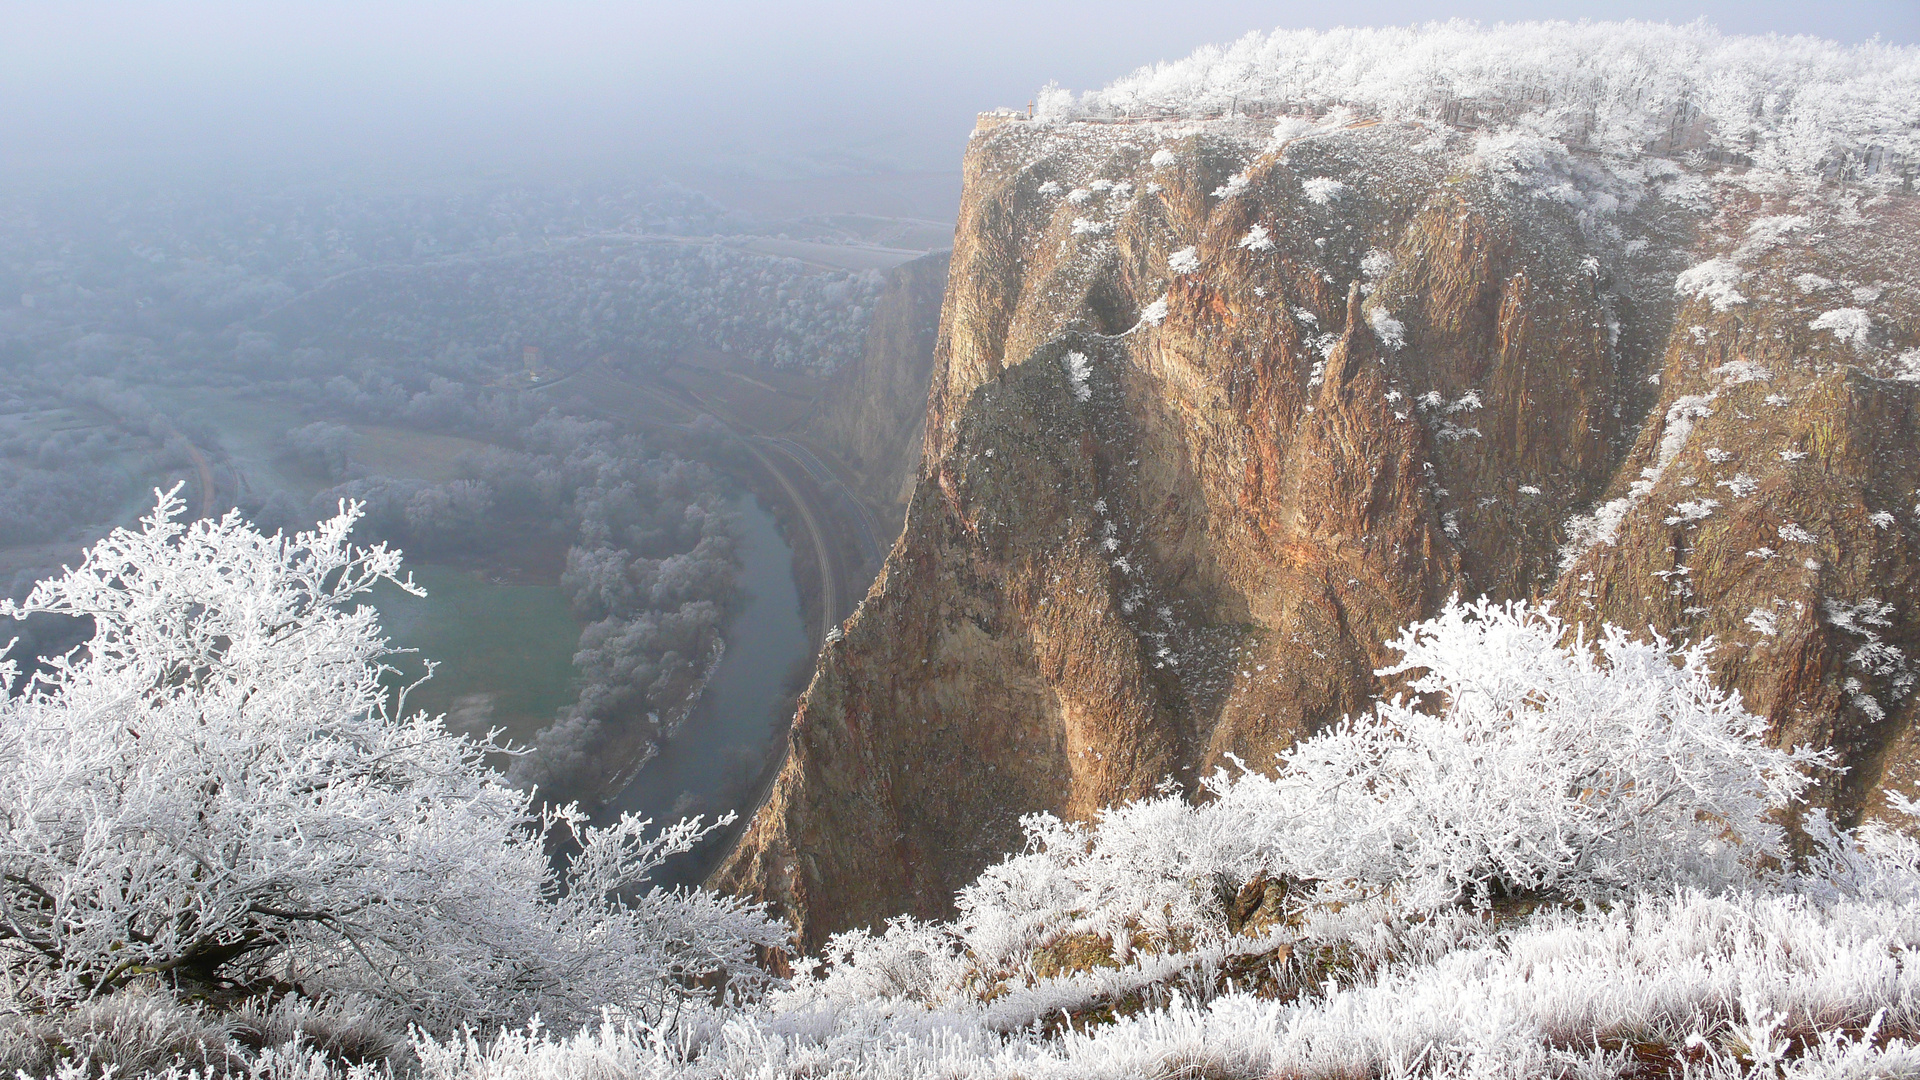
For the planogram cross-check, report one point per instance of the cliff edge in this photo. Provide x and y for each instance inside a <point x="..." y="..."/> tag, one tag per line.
<point x="1219" y="405"/>
<point x="871" y="413"/>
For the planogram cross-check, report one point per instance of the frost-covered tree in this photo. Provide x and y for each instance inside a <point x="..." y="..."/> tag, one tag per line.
<point x="218" y="789"/>
<point x="327" y="448"/>
<point x="1524" y="759"/>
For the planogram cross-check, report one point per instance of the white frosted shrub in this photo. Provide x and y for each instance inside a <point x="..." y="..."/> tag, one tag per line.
<point x="1539" y="764"/>
<point x="1795" y="105"/>
<point x="1713" y="979"/>
<point x="217" y="785"/>
<point x="1523" y="760"/>
<point x="217" y="788"/>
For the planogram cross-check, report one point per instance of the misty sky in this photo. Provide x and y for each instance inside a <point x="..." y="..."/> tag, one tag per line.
<point x="781" y="88"/>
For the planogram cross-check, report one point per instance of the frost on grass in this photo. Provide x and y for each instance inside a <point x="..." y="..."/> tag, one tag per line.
<point x="1767" y="233"/>
<point x="1602" y="526"/>
<point x="1741" y="372"/>
<point x="1794" y="534"/>
<point x="1693" y="510"/>
<point x="1793" y="106"/>
<point x="1553" y="856"/>
<point x="1322" y="190"/>
<point x="1373" y="266"/>
<point x="1595" y="770"/>
<point x="1717" y="281"/>
<point x="1850" y="325"/>
<point x="1391" y="331"/>
<point x="1235" y="184"/>
<point x="1331" y="921"/>
<point x="1764" y="622"/>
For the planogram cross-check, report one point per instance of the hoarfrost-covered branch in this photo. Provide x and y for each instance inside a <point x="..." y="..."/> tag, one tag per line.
<point x="217" y="787"/>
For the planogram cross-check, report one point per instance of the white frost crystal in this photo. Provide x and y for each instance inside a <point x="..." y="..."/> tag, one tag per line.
<point x="1715" y="281"/>
<point x="1322" y="189"/>
<point x="1850" y="325"/>
<point x="1078" y="368"/>
<point x="1257" y="239"/>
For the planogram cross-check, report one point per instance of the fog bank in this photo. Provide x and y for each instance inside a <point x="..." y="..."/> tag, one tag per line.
<point x="699" y="90"/>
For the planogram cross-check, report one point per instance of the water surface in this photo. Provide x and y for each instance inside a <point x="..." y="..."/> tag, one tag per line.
<point x="719" y="757"/>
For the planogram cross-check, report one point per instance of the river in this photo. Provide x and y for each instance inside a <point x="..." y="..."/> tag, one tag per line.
<point x="718" y="758"/>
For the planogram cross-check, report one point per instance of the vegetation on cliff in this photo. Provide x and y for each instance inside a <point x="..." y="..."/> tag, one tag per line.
<point x="216" y="793"/>
<point x="1796" y="105"/>
<point x="230" y="853"/>
<point x="1166" y="725"/>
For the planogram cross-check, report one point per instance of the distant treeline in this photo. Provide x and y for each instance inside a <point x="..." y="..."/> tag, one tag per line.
<point x="153" y="263"/>
<point x="59" y="484"/>
<point x="646" y="523"/>
<point x="415" y="311"/>
<point x="638" y="301"/>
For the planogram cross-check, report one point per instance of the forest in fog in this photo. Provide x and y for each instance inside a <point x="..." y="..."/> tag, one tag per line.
<point x="146" y="331"/>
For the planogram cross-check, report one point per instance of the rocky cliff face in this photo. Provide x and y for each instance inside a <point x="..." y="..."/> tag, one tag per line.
<point x="1213" y="416"/>
<point x="871" y="415"/>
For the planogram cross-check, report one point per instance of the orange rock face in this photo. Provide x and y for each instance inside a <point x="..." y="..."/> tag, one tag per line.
<point x="1212" y="419"/>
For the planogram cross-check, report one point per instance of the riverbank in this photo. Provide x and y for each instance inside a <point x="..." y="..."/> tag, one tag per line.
<point x="718" y="759"/>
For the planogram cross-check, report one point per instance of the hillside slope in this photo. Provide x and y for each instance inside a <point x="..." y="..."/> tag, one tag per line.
<point x="871" y="412"/>
<point x="1219" y="404"/>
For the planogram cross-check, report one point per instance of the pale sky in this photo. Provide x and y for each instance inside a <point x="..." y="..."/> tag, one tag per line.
<point x="557" y="86"/>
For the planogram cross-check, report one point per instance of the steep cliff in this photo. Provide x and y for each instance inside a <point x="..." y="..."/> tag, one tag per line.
<point x="871" y="414"/>
<point x="1215" y="411"/>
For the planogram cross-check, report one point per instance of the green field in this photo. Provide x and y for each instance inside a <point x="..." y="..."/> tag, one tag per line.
<point x="504" y="652"/>
<point x="415" y="455"/>
<point x="252" y="430"/>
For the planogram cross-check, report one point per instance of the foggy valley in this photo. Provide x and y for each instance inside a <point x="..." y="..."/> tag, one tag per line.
<point x="423" y="355"/>
<point x="736" y="541"/>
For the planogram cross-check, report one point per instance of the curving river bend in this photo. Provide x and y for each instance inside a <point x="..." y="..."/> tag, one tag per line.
<point x="717" y="761"/>
<point x="720" y="756"/>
